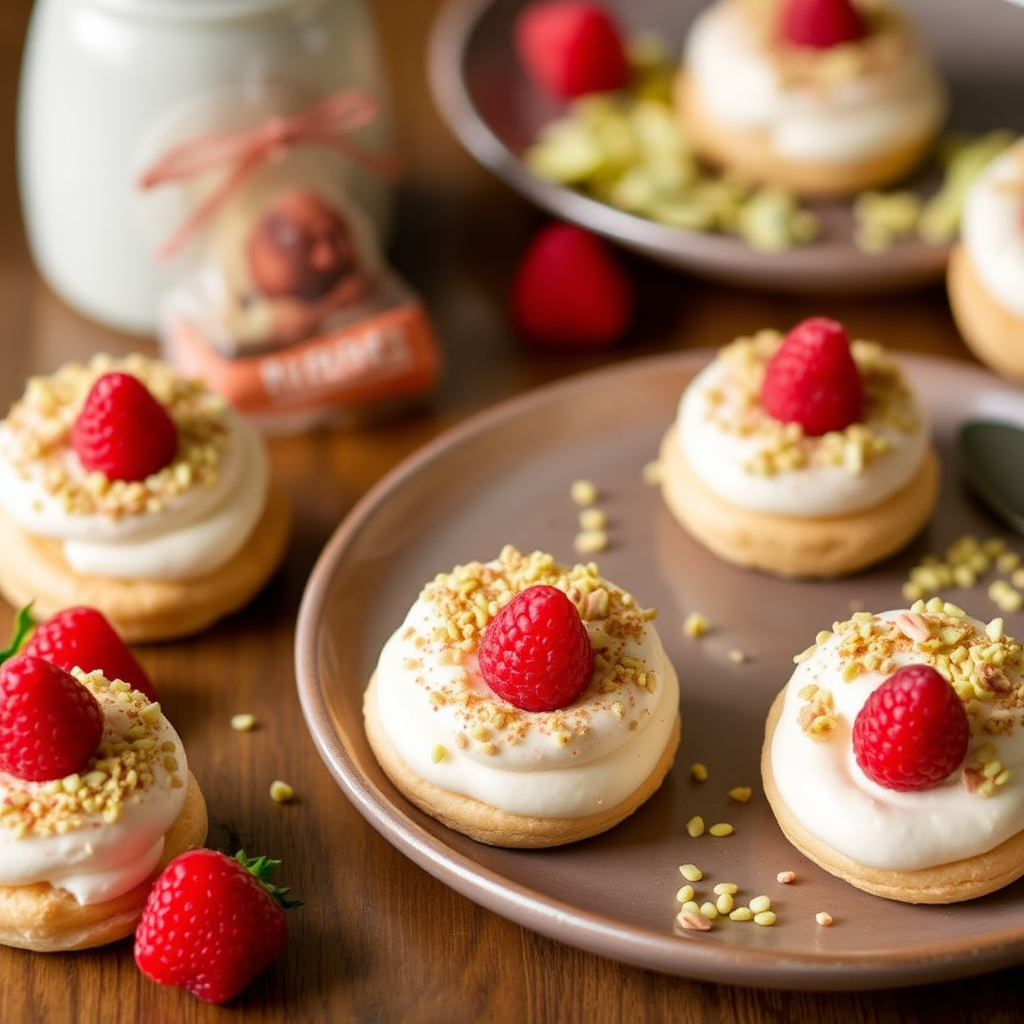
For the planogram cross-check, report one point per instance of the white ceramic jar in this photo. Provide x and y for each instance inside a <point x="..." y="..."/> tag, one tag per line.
<point x="108" y="86"/>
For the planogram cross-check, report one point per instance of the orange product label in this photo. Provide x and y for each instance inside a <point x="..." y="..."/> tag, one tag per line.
<point x="391" y="354"/>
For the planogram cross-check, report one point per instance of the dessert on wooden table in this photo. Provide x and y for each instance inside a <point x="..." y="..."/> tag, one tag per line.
<point x="820" y="97"/>
<point x="130" y="489"/>
<point x="524" y="703"/>
<point x="803" y="455"/>
<point x="87" y="822"/>
<point x="892" y="756"/>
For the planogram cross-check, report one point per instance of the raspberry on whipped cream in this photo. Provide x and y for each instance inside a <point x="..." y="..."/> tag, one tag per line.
<point x="185" y="520"/>
<point x="754" y="461"/>
<point x="451" y="730"/>
<point x="99" y="832"/>
<point x="979" y="805"/>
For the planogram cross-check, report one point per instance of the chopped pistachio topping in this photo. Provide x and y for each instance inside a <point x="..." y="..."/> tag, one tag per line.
<point x="691" y="872"/>
<point x="690" y="918"/>
<point x="888" y="403"/>
<point x="123" y="765"/>
<point x="966" y="563"/>
<point x="696" y="624"/>
<point x="583" y="492"/>
<point x="468" y="598"/>
<point x="651" y="472"/>
<point x="590" y="542"/>
<point x="281" y="792"/>
<point x="40" y="425"/>
<point x="984" y="665"/>
<point x="592" y="518"/>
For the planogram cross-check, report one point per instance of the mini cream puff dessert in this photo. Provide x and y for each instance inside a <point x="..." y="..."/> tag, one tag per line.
<point x="894" y="756"/>
<point x="820" y="97"/>
<point x="524" y="703"/>
<point x="129" y="489"/>
<point x="985" y="275"/>
<point x="803" y="455"/>
<point x="85" y="827"/>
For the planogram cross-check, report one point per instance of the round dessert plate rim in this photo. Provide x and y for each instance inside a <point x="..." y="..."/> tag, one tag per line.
<point x="829" y="266"/>
<point x="884" y="966"/>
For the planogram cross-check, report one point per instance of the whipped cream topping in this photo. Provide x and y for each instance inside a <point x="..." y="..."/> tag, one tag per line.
<point x="99" y="833"/>
<point x="849" y="102"/>
<point x="974" y="809"/>
<point x="753" y="461"/>
<point x="452" y="730"/>
<point x="992" y="228"/>
<point x="186" y="520"/>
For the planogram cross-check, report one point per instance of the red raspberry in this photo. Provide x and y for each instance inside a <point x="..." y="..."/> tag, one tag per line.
<point x="820" y="24"/>
<point x="84" y="638"/>
<point x="570" y="48"/>
<point x="50" y="724"/>
<point x="535" y="653"/>
<point x="813" y="380"/>
<point x="569" y="291"/>
<point x="211" y="923"/>
<point x="122" y="431"/>
<point x="912" y="731"/>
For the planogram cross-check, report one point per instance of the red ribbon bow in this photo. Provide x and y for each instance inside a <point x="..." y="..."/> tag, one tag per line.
<point x="328" y="122"/>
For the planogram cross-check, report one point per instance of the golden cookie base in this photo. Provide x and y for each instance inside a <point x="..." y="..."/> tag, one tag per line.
<point x="48" y="920"/>
<point x="792" y="546"/>
<point x="947" y="883"/>
<point x="33" y="569"/>
<point x="750" y="155"/>
<point x="990" y="331"/>
<point x="488" y="824"/>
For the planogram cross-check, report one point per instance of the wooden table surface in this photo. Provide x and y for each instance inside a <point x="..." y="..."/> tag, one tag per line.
<point x="378" y="938"/>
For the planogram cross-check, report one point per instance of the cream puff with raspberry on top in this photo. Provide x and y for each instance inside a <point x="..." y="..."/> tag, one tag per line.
<point x="894" y="755"/>
<point x="524" y="703"/>
<point x="97" y="798"/>
<point x="820" y="97"/>
<point x="127" y="488"/>
<point x="802" y="455"/>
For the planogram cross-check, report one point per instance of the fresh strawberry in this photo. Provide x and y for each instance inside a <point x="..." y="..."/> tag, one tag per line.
<point x="569" y="291"/>
<point x="122" y="431"/>
<point x="211" y="923"/>
<point x="813" y="380"/>
<point x="912" y="731"/>
<point x="819" y="24"/>
<point x="535" y="653"/>
<point x="83" y="637"/>
<point x="570" y="48"/>
<point x="50" y="724"/>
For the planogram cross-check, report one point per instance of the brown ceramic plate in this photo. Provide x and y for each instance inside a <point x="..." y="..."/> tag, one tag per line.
<point x="495" y="112"/>
<point x="504" y="477"/>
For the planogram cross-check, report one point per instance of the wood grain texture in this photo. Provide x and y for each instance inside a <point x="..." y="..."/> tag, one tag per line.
<point x="379" y="940"/>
